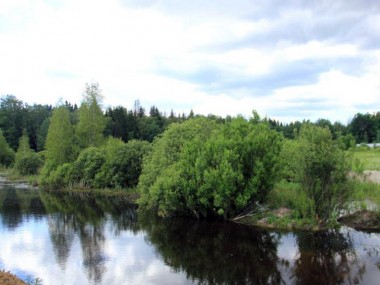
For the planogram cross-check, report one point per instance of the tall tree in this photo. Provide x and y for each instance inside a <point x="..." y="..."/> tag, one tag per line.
<point x="91" y="122"/>
<point x="60" y="138"/>
<point x="12" y="119"/>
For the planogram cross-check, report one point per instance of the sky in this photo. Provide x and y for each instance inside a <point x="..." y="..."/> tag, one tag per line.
<point x="288" y="60"/>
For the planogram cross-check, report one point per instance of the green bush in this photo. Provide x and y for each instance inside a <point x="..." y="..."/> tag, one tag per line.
<point x="123" y="164"/>
<point x="86" y="166"/>
<point x="322" y="168"/>
<point x="219" y="172"/>
<point x="28" y="164"/>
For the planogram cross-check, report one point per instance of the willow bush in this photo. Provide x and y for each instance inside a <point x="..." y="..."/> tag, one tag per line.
<point x="201" y="168"/>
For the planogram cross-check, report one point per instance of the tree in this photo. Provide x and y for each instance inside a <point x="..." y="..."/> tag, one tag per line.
<point x="91" y="122"/>
<point x="7" y="154"/>
<point x="12" y="119"/>
<point x="60" y="139"/>
<point x="27" y="162"/>
<point x="363" y="127"/>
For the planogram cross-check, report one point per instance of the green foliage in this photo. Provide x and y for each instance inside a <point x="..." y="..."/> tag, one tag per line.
<point x="123" y="164"/>
<point x="91" y="122"/>
<point x="292" y="196"/>
<point x="166" y="151"/>
<point x="321" y="167"/>
<point x="87" y="165"/>
<point x="7" y="154"/>
<point x="27" y="162"/>
<point x="60" y="139"/>
<point x="219" y="170"/>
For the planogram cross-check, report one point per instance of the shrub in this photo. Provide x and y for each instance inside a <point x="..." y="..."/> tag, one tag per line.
<point x="322" y="169"/>
<point x="27" y="162"/>
<point x="86" y="166"/>
<point x="123" y="164"/>
<point x="218" y="172"/>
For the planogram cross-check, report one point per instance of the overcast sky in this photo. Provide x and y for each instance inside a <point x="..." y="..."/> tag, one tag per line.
<point x="288" y="60"/>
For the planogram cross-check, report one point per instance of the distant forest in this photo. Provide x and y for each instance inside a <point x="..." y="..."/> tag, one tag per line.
<point x="145" y="124"/>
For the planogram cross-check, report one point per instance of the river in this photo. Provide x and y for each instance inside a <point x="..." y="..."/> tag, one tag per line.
<point x="87" y="239"/>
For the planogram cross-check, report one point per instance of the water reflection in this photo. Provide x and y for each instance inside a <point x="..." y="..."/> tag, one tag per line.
<point x="84" y="215"/>
<point x="326" y="258"/>
<point x="216" y="253"/>
<point x="113" y="245"/>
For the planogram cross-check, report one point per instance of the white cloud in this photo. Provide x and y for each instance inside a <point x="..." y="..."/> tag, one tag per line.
<point x="153" y="52"/>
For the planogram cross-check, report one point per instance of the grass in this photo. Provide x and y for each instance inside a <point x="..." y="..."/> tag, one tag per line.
<point x="369" y="158"/>
<point x="365" y="192"/>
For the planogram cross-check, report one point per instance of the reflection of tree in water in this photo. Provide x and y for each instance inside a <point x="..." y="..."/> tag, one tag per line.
<point x="85" y="215"/>
<point x="326" y="257"/>
<point x="11" y="209"/>
<point x="61" y="235"/>
<point x="216" y="252"/>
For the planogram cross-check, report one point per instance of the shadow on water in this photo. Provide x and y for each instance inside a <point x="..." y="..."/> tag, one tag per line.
<point x="206" y="252"/>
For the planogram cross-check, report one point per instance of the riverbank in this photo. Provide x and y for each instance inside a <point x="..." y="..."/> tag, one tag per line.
<point x="279" y="216"/>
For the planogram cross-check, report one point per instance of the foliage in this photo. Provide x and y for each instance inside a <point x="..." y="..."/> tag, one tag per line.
<point x="321" y="168"/>
<point x="7" y="154"/>
<point x="123" y="164"/>
<point x="218" y="172"/>
<point x="292" y="196"/>
<point x="165" y="153"/>
<point x="12" y="119"/>
<point x="91" y="122"/>
<point x="60" y="139"/>
<point x="87" y="165"/>
<point x="27" y="162"/>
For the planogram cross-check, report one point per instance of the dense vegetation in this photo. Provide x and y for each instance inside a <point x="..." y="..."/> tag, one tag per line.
<point x="185" y="165"/>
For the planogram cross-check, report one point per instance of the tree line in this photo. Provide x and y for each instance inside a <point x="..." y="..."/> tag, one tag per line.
<point x="185" y="164"/>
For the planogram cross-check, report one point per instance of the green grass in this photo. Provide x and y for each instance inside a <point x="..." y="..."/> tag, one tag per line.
<point x="364" y="192"/>
<point x="290" y="195"/>
<point x="369" y="158"/>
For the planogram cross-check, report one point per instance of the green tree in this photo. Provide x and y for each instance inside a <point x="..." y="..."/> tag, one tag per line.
<point x="91" y="122"/>
<point x="321" y="167"/>
<point x="7" y="154"/>
<point x="60" y="139"/>
<point x="12" y="119"/>
<point x="27" y="162"/>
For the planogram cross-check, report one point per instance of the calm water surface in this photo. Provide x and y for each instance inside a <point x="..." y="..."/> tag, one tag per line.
<point x="82" y="239"/>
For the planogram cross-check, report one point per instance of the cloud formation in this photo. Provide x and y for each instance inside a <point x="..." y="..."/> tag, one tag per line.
<point x="221" y="57"/>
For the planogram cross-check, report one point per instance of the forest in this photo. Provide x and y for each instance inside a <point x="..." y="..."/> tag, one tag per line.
<point x="185" y="164"/>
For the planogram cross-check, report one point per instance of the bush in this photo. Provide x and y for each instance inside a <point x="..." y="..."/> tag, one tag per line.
<point x="123" y="164"/>
<point x="86" y="166"/>
<point x="321" y="167"/>
<point x="28" y="164"/>
<point x="214" y="173"/>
